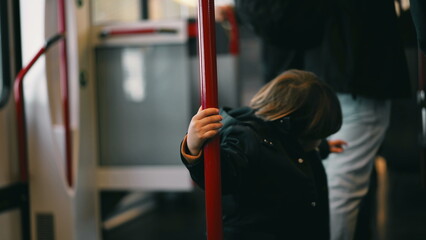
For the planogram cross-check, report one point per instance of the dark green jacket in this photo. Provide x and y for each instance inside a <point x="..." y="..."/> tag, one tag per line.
<point x="271" y="188"/>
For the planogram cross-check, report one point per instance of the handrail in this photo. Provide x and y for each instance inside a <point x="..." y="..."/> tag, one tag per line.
<point x="234" y="42"/>
<point x="135" y="31"/>
<point x="234" y="36"/>
<point x="209" y="99"/>
<point x="18" y="89"/>
<point x="65" y="92"/>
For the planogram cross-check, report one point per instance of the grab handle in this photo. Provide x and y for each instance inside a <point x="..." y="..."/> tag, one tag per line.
<point x="136" y="31"/>
<point x="18" y="89"/>
<point x="62" y="29"/>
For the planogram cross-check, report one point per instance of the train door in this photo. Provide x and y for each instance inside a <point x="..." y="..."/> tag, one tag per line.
<point x="96" y="112"/>
<point x="61" y="162"/>
<point x="14" y="220"/>
<point x="14" y="187"/>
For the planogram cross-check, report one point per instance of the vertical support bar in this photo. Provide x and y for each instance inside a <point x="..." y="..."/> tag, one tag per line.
<point x="18" y="89"/>
<point x="234" y="44"/>
<point x="25" y="199"/>
<point x="209" y="99"/>
<point x="17" y="35"/>
<point x="5" y="55"/>
<point x="65" y="92"/>
<point x="144" y="10"/>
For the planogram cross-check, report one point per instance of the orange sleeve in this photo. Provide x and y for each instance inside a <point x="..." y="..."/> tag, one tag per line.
<point x="185" y="152"/>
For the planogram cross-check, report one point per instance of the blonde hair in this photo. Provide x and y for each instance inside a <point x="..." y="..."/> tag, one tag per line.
<point x="312" y="105"/>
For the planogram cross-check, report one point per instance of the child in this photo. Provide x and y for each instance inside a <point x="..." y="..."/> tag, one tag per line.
<point x="273" y="183"/>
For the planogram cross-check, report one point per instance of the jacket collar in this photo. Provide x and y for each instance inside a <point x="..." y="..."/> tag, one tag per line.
<point x="282" y="132"/>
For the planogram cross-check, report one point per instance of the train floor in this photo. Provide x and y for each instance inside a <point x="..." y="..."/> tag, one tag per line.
<point x="404" y="210"/>
<point x="398" y="212"/>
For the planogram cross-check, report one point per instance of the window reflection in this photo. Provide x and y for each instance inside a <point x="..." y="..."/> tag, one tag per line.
<point x="133" y="65"/>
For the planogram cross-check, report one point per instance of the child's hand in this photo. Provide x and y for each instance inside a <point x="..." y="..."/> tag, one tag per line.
<point x="203" y="126"/>
<point x="336" y="146"/>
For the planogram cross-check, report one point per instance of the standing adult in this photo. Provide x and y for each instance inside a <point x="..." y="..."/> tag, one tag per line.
<point x="361" y="56"/>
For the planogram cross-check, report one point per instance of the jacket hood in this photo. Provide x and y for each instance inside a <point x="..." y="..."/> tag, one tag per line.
<point x="237" y="116"/>
<point x="271" y="131"/>
<point x="246" y="115"/>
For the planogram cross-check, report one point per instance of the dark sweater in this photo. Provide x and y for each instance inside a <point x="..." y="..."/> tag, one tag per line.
<point x="360" y="51"/>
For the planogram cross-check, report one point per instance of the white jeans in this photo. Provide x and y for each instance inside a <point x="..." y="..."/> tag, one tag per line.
<point x="364" y="125"/>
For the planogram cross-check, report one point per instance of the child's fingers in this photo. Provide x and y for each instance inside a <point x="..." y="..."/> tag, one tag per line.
<point x="200" y="127"/>
<point x="211" y="119"/>
<point x="204" y="129"/>
<point x="336" y="149"/>
<point x="202" y="113"/>
<point x="210" y="134"/>
<point x="212" y="126"/>
<point x="200" y="109"/>
<point x="337" y="146"/>
<point x="340" y="142"/>
<point x="204" y="123"/>
<point x="337" y="143"/>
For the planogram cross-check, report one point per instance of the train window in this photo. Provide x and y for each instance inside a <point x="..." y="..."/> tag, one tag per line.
<point x="171" y="9"/>
<point x="108" y="11"/>
<point x="4" y="59"/>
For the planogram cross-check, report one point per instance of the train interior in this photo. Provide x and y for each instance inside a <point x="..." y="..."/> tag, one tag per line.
<point x="96" y="96"/>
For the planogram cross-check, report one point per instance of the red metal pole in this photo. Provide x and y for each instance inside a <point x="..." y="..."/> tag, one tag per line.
<point x="65" y="92"/>
<point x="132" y="31"/>
<point x="18" y="89"/>
<point x="137" y="31"/>
<point x="234" y="44"/>
<point x="209" y="99"/>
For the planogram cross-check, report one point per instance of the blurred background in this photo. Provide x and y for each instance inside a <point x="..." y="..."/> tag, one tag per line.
<point x="132" y="72"/>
